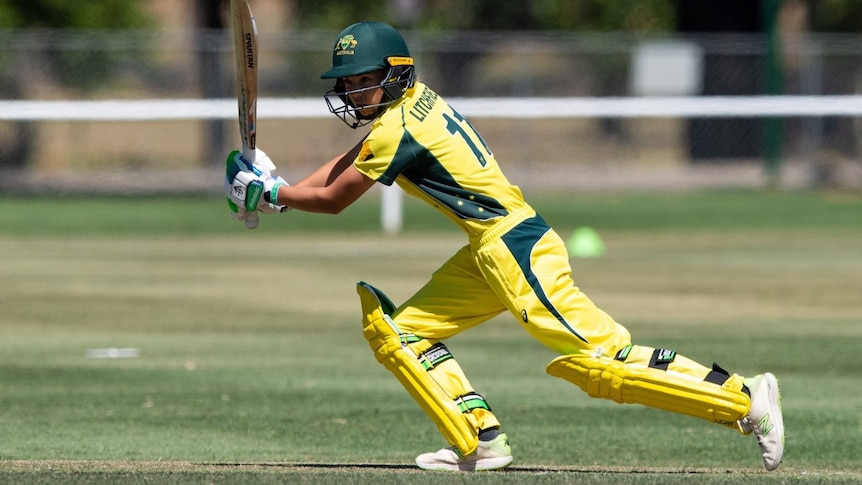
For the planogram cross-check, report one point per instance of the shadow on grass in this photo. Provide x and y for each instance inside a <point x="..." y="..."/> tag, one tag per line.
<point x="511" y="469"/>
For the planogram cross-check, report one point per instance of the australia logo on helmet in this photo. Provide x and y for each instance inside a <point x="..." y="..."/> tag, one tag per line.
<point x="345" y="45"/>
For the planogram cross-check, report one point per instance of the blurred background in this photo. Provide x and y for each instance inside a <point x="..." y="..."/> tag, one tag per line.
<point x="181" y="49"/>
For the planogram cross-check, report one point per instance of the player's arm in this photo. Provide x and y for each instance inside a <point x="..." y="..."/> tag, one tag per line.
<point x="325" y="174"/>
<point x="330" y="188"/>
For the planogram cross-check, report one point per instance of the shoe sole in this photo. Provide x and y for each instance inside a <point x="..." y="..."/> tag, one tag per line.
<point x="486" y="464"/>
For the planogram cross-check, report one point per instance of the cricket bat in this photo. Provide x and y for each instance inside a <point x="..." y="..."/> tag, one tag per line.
<point x="245" y="53"/>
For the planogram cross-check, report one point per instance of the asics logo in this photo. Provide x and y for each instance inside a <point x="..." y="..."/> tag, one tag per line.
<point x="765" y="425"/>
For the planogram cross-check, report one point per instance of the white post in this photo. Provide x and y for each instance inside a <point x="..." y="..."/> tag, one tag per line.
<point x="391" y="202"/>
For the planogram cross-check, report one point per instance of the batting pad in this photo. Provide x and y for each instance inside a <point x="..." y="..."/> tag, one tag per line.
<point x="412" y="359"/>
<point x="609" y="378"/>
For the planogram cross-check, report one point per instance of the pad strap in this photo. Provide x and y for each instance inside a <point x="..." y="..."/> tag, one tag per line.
<point x="661" y="358"/>
<point x="434" y="356"/>
<point x="470" y="401"/>
<point x="717" y="375"/>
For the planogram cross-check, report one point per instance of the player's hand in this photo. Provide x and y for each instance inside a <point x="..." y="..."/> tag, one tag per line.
<point x="233" y="166"/>
<point x="250" y="187"/>
<point x="246" y="191"/>
<point x="264" y="167"/>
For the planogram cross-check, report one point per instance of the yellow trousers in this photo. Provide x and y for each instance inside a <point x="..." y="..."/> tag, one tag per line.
<point x="521" y="265"/>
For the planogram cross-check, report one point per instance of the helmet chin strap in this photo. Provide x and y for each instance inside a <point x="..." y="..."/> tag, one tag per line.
<point x="377" y="111"/>
<point x="362" y="120"/>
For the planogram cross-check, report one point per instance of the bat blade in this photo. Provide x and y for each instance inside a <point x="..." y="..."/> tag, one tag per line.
<point x="246" y="53"/>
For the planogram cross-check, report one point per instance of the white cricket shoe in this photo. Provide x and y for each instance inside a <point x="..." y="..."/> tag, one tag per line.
<point x="490" y="455"/>
<point x="764" y="418"/>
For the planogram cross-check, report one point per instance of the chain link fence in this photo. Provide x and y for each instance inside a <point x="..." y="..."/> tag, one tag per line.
<point x="198" y="64"/>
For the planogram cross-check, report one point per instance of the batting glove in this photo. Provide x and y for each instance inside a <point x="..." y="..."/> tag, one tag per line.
<point x="269" y="204"/>
<point x="264" y="167"/>
<point x="250" y="187"/>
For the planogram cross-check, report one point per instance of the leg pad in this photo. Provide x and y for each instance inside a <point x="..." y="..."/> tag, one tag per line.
<point x="605" y="377"/>
<point x="411" y="359"/>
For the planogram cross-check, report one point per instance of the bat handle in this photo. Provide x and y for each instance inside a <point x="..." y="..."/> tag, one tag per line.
<point x="252" y="220"/>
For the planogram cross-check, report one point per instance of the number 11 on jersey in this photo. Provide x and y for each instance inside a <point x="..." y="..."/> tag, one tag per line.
<point x="461" y="127"/>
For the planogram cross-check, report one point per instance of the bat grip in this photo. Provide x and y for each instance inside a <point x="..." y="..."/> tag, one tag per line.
<point x="252" y="220"/>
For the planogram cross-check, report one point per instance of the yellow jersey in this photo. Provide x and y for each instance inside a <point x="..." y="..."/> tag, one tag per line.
<point x="433" y="153"/>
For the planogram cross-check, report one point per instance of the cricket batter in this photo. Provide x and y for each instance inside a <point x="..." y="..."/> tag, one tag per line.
<point x="513" y="261"/>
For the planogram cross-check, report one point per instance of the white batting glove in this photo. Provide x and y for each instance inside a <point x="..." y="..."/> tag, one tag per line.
<point x="250" y="187"/>
<point x="269" y="204"/>
<point x="246" y="191"/>
<point x="233" y="166"/>
<point x="264" y="166"/>
<point x="262" y="163"/>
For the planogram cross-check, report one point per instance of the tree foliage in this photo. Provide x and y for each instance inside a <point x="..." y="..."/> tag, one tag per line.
<point x="81" y="68"/>
<point x="57" y="14"/>
<point x="581" y="15"/>
<point x="835" y="15"/>
<point x="334" y="14"/>
<point x="584" y="15"/>
<point x="587" y="15"/>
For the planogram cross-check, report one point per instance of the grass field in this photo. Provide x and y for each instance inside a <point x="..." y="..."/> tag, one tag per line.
<point x="280" y="387"/>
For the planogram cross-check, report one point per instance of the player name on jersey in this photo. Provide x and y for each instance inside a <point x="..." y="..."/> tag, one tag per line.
<point x="424" y="104"/>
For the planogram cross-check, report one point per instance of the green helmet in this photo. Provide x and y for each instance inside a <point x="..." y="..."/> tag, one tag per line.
<point x="362" y="48"/>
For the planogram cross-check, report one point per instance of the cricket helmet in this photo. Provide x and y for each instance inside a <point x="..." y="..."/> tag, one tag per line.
<point x="362" y="48"/>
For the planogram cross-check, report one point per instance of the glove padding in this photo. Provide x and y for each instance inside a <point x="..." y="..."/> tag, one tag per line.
<point x="251" y="187"/>
<point x="254" y="192"/>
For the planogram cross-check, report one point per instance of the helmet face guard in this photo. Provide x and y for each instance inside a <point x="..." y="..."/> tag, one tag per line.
<point x="399" y="78"/>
